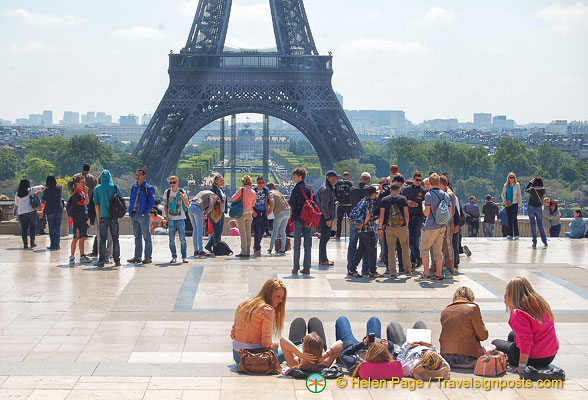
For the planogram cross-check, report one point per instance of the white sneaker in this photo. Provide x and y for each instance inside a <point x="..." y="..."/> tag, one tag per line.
<point x="72" y="259"/>
<point x="509" y="237"/>
<point x="516" y="238"/>
<point x="173" y="261"/>
<point x="85" y="259"/>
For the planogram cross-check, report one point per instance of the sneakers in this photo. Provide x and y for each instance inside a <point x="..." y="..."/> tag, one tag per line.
<point x="184" y="261"/>
<point x="85" y="259"/>
<point x="173" y="261"/>
<point x="377" y="275"/>
<point x="134" y="261"/>
<point x="99" y="264"/>
<point x="516" y="238"/>
<point x="467" y="251"/>
<point x="243" y="255"/>
<point x="117" y="263"/>
<point x="354" y="274"/>
<point x="33" y="245"/>
<point x="534" y="245"/>
<point x="72" y="260"/>
<point x="509" y="237"/>
<point x="257" y="253"/>
<point x="305" y="272"/>
<point x="544" y="245"/>
<point x="294" y="272"/>
<point x="147" y="261"/>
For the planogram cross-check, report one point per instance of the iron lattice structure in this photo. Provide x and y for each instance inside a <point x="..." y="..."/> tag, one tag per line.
<point x="208" y="83"/>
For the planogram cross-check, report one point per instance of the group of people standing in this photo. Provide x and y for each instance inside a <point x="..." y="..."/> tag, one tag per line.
<point x="532" y="341"/>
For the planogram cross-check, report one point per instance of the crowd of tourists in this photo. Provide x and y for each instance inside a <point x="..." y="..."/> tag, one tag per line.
<point x="532" y="341"/>
<point x="416" y="221"/>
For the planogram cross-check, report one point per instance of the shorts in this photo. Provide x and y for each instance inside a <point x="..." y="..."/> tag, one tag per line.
<point x="433" y="239"/>
<point x="80" y="229"/>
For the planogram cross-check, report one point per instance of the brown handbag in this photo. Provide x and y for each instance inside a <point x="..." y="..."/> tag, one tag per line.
<point x="492" y="364"/>
<point x="259" y="361"/>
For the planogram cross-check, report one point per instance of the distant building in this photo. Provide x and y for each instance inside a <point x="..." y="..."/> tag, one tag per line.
<point x="103" y="119"/>
<point x="5" y="122"/>
<point x="116" y="132"/>
<point x="71" y="118"/>
<point x="89" y="118"/>
<point x="362" y="119"/>
<point x="441" y="124"/>
<point x="340" y="98"/>
<point x="128" y="120"/>
<point x="558" y="126"/>
<point x="35" y="119"/>
<point x="21" y="122"/>
<point x="146" y="118"/>
<point x="482" y="121"/>
<point x="47" y="118"/>
<point x="499" y="122"/>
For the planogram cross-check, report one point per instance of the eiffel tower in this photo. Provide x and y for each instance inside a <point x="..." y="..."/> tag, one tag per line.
<point x="208" y="83"/>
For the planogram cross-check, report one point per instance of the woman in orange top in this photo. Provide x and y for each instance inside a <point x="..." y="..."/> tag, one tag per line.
<point x="257" y="320"/>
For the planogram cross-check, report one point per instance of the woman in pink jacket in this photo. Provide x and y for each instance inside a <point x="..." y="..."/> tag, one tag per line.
<point x="244" y="221"/>
<point x="533" y="340"/>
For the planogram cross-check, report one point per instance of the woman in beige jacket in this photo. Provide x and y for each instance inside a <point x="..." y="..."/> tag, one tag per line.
<point x="281" y="209"/>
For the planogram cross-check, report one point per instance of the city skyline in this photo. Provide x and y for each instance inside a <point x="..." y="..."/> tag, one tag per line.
<point x="528" y="63"/>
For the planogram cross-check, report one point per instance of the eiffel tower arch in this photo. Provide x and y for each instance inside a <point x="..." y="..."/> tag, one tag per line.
<point x="208" y="83"/>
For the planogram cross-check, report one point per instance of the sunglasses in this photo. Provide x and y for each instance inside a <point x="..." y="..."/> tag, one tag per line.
<point x="418" y="180"/>
<point x="511" y="177"/>
<point x="173" y="183"/>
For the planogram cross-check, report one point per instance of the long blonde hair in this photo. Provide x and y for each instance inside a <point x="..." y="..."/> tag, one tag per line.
<point x="507" y="182"/>
<point x="430" y="360"/>
<point x="264" y="298"/>
<point x="377" y="352"/>
<point x="217" y="210"/>
<point x="520" y="295"/>
<point x="313" y="344"/>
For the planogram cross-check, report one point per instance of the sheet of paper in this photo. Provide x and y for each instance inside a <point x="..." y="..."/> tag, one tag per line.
<point x="418" y="335"/>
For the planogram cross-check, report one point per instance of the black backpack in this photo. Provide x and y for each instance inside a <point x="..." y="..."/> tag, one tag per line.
<point x="222" y="249"/>
<point x="69" y="207"/>
<point x="118" y="206"/>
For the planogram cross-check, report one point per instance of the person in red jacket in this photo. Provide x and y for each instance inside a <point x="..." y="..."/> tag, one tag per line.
<point x="533" y="340"/>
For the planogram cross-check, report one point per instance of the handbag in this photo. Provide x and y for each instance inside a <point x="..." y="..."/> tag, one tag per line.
<point x="552" y="373"/>
<point x="35" y="201"/>
<point x="507" y="203"/>
<point x="236" y="209"/>
<point x="278" y="244"/>
<point x="380" y="370"/>
<point x="492" y="364"/>
<point x="259" y="361"/>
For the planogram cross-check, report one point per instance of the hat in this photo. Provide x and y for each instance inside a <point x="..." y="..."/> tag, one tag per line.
<point x="365" y="175"/>
<point x="331" y="173"/>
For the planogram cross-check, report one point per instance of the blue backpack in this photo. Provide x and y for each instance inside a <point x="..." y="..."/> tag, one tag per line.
<point x="441" y="214"/>
<point x="358" y="213"/>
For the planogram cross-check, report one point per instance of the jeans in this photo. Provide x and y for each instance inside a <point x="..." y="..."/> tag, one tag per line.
<point x="554" y="231"/>
<point x="54" y="222"/>
<point x="352" y="248"/>
<point x="217" y="231"/>
<point x="488" y="228"/>
<point x="455" y="243"/>
<point x="513" y="224"/>
<point x="509" y="347"/>
<point x="343" y="330"/>
<point x="325" y="236"/>
<point x="178" y="225"/>
<point x="280" y="223"/>
<point x="141" y="230"/>
<point x="106" y="225"/>
<point x="341" y="212"/>
<point x="259" y="225"/>
<point x="473" y="229"/>
<point x="197" y="219"/>
<point x="299" y="231"/>
<point x="367" y="245"/>
<point x="415" y="227"/>
<point x="536" y="220"/>
<point x="28" y="223"/>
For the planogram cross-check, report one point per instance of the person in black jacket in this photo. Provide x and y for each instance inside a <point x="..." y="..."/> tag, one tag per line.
<point x="325" y="200"/>
<point x="535" y="209"/>
<point x="342" y="189"/>
<point x="356" y="193"/>
<point x="296" y="201"/>
<point x="53" y="211"/>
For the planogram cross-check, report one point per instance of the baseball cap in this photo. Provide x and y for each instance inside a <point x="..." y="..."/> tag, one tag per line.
<point x="331" y="173"/>
<point x="366" y="175"/>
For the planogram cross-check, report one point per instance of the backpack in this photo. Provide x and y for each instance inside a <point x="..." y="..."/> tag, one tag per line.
<point x="311" y="214"/>
<point x="118" y="206"/>
<point x="34" y="200"/>
<point x="69" y="207"/>
<point x="358" y="213"/>
<point x="396" y="218"/>
<point x="342" y="191"/>
<point x="167" y="194"/>
<point x="222" y="249"/>
<point x="441" y="213"/>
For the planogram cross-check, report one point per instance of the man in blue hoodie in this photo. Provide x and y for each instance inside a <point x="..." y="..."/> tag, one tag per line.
<point x="102" y="196"/>
<point x="141" y="202"/>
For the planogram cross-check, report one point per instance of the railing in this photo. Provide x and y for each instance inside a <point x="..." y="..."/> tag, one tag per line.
<point x="250" y="61"/>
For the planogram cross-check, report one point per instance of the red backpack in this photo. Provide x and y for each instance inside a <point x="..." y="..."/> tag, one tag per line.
<point x="311" y="214"/>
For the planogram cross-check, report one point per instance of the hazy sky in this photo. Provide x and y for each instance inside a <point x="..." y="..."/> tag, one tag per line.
<point x="433" y="59"/>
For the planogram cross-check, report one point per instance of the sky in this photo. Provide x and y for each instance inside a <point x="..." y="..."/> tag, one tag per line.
<point x="527" y="59"/>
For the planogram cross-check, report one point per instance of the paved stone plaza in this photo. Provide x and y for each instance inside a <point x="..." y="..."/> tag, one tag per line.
<point x="162" y="331"/>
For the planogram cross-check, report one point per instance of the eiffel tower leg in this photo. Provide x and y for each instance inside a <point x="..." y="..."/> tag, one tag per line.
<point x="233" y="152"/>
<point x="222" y="145"/>
<point x="266" y="140"/>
